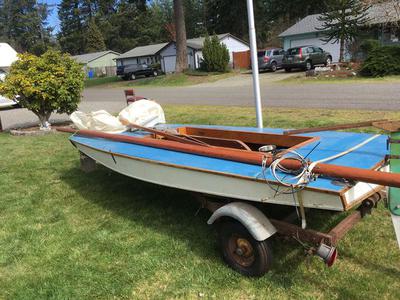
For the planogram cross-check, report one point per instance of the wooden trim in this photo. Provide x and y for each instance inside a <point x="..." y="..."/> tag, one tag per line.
<point x="250" y="137"/>
<point x="362" y="198"/>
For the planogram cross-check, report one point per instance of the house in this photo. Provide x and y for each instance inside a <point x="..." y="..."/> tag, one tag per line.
<point x="7" y="56"/>
<point x="98" y="63"/>
<point x="195" y="54"/>
<point x="149" y="54"/>
<point x="380" y="26"/>
<point x="165" y="53"/>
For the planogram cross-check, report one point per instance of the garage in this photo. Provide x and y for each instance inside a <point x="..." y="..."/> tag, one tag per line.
<point x="168" y="64"/>
<point x="306" y="32"/>
<point x="334" y="49"/>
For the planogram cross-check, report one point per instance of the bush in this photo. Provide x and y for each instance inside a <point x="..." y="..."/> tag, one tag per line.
<point x="215" y="55"/>
<point x="369" y="45"/>
<point x="382" y="61"/>
<point x="51" y="82"/>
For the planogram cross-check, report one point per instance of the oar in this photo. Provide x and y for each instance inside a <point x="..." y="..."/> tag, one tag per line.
<point x="164" y="134"/>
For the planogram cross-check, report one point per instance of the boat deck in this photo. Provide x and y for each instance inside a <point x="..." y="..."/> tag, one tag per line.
<point x="329" y="143"/>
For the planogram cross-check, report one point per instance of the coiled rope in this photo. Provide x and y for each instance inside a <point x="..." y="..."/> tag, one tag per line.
<point x="302" y="176"/>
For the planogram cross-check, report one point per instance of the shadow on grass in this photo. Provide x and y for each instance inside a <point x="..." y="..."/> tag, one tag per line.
<point x="171" y="212"/>
<point x="370" y="265"/>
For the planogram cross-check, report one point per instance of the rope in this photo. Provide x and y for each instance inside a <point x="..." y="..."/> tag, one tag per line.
<point x="304" y="175"/>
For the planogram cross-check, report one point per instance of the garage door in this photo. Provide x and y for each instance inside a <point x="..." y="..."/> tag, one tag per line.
<point x="334" y="49"/>
<point x="169" y="64"/>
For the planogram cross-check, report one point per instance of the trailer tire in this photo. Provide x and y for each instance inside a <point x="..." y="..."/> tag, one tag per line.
<point x="241" y="251"/>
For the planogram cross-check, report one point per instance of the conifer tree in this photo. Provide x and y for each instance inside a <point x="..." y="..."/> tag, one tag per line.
<point x="181" y="46"/>
<point x="23" y="25"/>
<point x="71" y="35"/>
<point x="94" y="38"/>
<point x="215" y="55"/>
<point x="343" y="21"/>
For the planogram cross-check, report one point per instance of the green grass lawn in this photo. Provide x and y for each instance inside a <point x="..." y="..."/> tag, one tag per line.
<point x="301" y="78"/>
<point x="191" y="78"/>
<point x="101" y="81"/>
<point x="69" y="235"/>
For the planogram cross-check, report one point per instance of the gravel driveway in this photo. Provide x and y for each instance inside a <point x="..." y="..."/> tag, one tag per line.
<point x="238" y="91"/>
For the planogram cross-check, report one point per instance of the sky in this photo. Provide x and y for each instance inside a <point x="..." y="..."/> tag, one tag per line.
<point x="53" y="17"/>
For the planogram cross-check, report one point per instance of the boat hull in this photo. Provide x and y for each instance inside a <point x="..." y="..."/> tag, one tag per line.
<point x="223" y="184"/>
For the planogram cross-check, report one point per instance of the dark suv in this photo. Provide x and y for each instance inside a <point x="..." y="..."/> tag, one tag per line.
<point x="270" y="59"/>
<point x="305" y="57"/>
<point x="130" y="72"/>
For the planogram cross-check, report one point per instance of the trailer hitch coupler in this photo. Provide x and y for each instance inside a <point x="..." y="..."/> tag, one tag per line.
<point x="327" y="253"/>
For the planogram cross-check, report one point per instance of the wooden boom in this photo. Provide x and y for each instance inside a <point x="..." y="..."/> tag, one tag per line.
<point x="250" y="157"/>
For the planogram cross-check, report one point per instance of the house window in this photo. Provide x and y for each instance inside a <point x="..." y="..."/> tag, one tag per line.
<point x="394" y="35"/>
<point x="391" y="35"/>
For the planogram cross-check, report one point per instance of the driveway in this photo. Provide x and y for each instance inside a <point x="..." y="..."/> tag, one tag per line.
<point x="238" y="91"/>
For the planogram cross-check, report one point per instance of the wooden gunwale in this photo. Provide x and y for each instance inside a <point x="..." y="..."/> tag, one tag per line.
<point x="292" y="142"/>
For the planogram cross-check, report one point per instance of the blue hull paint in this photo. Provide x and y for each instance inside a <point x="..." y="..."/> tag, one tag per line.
<point x="330" y="143"/>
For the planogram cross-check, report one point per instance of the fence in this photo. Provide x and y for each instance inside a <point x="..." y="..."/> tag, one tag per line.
<point x="101" y="71"/>
<point x="241" y="60"/>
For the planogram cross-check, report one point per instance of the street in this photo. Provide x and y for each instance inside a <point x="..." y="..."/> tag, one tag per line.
<point x="238" y="91"/>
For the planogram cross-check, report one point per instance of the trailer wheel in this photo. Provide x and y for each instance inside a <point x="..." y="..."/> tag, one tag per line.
<point x="241" y="251"/>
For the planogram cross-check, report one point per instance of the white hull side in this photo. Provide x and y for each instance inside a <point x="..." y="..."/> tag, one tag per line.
<point x="209" y="183"/>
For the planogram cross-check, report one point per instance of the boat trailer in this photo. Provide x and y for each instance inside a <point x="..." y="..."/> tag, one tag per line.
<point x="316" y="243"/>
<point x="244" y="230"/>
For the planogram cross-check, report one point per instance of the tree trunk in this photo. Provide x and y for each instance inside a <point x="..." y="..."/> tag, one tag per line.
<point x="342" y="44"/>
<point x="181" y="48"/>
<point x="44" y="120"/>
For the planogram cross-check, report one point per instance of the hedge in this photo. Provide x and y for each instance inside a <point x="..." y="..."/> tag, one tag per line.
<point x="382" y="61"/>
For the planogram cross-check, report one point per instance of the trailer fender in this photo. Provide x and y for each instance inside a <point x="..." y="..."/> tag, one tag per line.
<point x="251" y="217"/>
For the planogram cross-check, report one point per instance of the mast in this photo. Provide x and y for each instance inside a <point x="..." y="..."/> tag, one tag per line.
<point x="254" y="63"/>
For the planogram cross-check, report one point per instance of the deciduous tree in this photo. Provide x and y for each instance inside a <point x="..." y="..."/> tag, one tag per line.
<point x="50" y="83"/>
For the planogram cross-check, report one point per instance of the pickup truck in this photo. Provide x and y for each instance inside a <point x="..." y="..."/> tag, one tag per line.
<point x="130" y="72"/>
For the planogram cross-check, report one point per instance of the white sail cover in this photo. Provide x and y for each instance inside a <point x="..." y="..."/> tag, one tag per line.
<point x="143" y="112"/>
<point x="7" y="55"/>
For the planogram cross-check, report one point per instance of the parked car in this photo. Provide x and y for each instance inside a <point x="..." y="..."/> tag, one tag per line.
<point x="130" y="72"/>
<point x="2" y="75"/>
<point x="5" y="102"/>
<point x="305" y="57"/>
<point x="270" y="59"/>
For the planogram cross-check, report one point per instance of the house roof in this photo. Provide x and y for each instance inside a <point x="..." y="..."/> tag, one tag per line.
<point x="86" y="58"/>
<point x="196" y="43"/>
<point x="377" y="14"/>
<point x="144" y="51"/>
